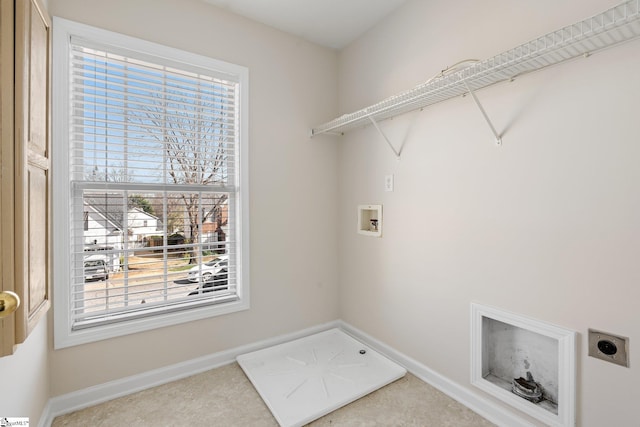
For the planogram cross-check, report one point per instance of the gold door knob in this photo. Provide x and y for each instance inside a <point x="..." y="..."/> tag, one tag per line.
<point x="9" y="302"/>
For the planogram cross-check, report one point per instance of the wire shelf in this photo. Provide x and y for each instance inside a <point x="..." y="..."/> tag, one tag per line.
<point x="613" y="26"/>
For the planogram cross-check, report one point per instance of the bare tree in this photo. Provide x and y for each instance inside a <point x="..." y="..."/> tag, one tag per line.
<point x="116" y="173"/>
<point x="194" y="133"/>
<point x="173" y="219"/>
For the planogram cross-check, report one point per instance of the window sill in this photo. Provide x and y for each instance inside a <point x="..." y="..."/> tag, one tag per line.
<point x="64" y="339"/>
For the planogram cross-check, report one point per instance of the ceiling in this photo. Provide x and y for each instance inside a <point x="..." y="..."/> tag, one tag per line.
<point x="331" y="23"/>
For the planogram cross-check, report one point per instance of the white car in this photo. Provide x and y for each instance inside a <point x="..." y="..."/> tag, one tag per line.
<point x="207" y="271"/>
<point x="95" y="268"/>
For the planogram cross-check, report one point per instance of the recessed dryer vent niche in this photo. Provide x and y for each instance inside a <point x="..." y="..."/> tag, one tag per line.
<point x="370" y="220"/>
<point x="524" y="362"/>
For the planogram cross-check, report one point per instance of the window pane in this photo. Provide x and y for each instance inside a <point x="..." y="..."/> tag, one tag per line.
<point x="151" y="248"/>
<point x="139" y="122"/>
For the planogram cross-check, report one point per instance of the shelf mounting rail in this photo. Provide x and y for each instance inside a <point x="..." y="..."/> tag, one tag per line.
<point x="613" y="26"/>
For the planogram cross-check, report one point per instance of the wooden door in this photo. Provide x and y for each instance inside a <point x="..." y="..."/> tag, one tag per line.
<point x="26" y="168"/>
<point x="7" y="231"/>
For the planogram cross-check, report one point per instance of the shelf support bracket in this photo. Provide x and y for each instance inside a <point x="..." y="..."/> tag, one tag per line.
<point x="375" y="125"/>
<point x="484" y="114"/>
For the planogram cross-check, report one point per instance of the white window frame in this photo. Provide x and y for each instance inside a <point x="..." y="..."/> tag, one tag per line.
<point x="64" y="336"/>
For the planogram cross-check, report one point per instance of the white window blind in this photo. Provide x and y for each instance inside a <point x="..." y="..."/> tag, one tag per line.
<point x="153" y="174"/>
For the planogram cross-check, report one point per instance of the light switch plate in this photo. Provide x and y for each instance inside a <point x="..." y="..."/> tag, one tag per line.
<point x="388" y="183"/>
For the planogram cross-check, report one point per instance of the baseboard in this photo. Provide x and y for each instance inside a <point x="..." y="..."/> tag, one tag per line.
<point x="476" y="403"/>
<point x="90" y="396"/>
<point x="81" y="399"/>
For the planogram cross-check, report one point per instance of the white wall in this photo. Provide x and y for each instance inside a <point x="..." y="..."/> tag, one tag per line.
<point x="545" y="226"/>
<point x="25" y="377"/>
<point x="293" y="181"/>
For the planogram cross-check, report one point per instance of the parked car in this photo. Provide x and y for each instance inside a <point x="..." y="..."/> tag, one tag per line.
<point x="207" y="271"/>
<point x="218" y="283"/>
<point x="95" y="268"/>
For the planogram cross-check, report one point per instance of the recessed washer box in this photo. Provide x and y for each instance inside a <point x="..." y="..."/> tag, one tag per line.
<point x="370" y="220"/>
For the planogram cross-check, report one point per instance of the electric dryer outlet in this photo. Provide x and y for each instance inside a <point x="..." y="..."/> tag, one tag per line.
<point x="609" y="347"/>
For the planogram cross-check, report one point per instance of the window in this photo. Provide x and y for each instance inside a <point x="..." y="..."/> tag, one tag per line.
<point x="151" y="156"/>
